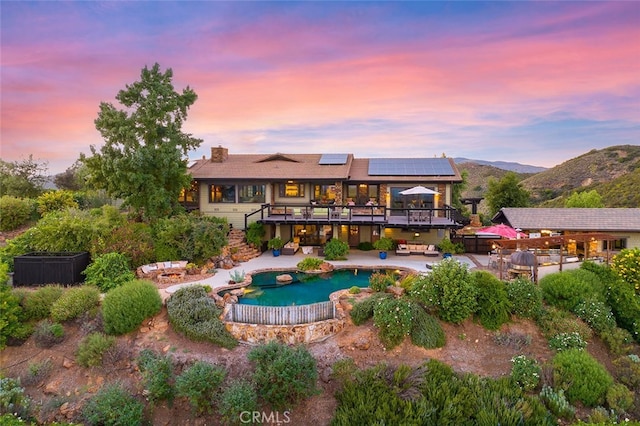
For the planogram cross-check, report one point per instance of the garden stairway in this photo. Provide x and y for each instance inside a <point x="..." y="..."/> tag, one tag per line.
<point x="238" y="247"/>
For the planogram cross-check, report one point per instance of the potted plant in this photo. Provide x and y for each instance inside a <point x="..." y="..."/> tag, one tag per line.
<point x="276" y="245"/>
<point x="447" y="247"/>
<point x="383" y="245"/>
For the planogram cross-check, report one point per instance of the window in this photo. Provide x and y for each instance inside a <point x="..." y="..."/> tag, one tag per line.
<point x="222" y="194"/>
<point x="251" y="193"/>
<point x="324" y="193"/>
<point x="363" y="193"/>
<point x="189" y="195"/>
<point x="291" y="190"/>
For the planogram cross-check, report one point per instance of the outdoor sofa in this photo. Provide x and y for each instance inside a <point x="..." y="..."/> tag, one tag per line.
<point x="416" y="248"/>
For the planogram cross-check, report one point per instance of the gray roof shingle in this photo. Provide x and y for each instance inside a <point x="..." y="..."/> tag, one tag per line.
<point x="571" y="219"/>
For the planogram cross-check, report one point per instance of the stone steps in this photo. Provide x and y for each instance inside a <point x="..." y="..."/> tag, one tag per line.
<point x="238" y="246"/>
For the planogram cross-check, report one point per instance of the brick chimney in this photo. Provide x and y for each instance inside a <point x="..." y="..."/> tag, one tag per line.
<point x="219" y="154"/>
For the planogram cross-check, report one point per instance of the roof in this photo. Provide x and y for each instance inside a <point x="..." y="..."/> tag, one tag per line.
<point x="271" y="167"/>
<point x="360" y="173"/>
<point x="571" y="219"/>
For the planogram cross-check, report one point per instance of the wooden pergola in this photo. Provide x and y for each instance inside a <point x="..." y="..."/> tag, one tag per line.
<point x="536" y="244"/>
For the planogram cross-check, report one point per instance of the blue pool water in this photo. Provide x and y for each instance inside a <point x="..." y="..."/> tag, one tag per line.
<point x="305" y="289"/>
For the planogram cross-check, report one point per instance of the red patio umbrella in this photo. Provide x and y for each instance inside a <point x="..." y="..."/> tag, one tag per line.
<point x="502" y="230"/>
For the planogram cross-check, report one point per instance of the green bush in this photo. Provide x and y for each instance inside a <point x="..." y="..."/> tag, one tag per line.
<point x="581" y="376"/>
<point x="4" y="273"/>
<point x="309" y="264"/>
<point x="525" y="372"/>
<point x="354" y="290"/>
<point x="626" y="265"/>
<point x="619" y="398"/>
<point x="200" y="383"/>
<point x="74" y="302"/>
<point x="52" y="201"/>
<point x="134" y="240"/>
<point x="597" y="314"/>
<point x="113" y="405"/>
<point x="71" y="230"/>
<point x="393" y="319"/>
<point x="17" y="246"/>
<point x="190" y="237"/>
<point x="449" y="287"/>
<point x="525" y="297"/>
<point x="379" y="281"/>
<point x="336" y="249"/>
<point x="564" y="341"/>
<point x="47" y="334"/>
<point x="618" y="341"/>
<point x="625" y="305"/>
<point x="627" y="371"/>
<point x="365" y="246"/>
<point x="426" y="330"/>
<point x="109" y="271"/>
<point x="493" y="302"/>
<point x="125" y="308"/>
<point x="363" y="310"/>
<point x="38" y="372"/>
<point x="15" y="212"/>
<point x="37" y="304"/>
<point x="13" y="398"/>
<point x="194" y="314"/>
<point x="568" y="288"/>
<point x="157" y="375"/>
<point x="237" y="398"/>
<point x="255" y="233"/>
<point x="10" y="314"/>
<point x="557" y="402"/>
<point x="92" y="348"/>
<point x="284" y="375"/>
<point x="553" y="321"/>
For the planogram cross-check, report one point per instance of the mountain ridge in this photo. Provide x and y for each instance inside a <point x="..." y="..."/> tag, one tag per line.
<point x="504" y="165"/>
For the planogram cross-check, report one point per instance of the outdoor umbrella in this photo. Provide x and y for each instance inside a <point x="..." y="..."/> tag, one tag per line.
<point x="419" y="190"/>
<point x="501" y="230"/>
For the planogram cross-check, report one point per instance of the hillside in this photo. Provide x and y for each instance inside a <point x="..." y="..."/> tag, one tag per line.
<point x="504" y="165"/>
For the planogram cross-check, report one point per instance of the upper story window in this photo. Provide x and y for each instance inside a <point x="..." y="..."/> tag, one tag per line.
<point x="291" y="190"/>
<point x="363" y="193"/>
<point x="222" y="193"/>
<point x="189" y="195"/>
<point x="324" y="194"/>
<point x="251" y="193"/>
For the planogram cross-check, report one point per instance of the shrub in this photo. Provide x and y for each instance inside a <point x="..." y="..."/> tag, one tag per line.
<point x="365" y="246"/>
<point x="70" y="230"/>
<point x="525" y="297"/>
<point x="362" y="311"/>
<point x="626" y="265"/>
<point x="407" y="281"/>
<point x="525" y="372"/>
<point x="597" y="314"/>
<point x="426" y="330"/>
<point x="493" y="302"/>
<point x="564" y="341"/>
<point x="566" y="289"/>
<point x="554" y="321"/>
<point x="194" y="314"/>
<point x="557" y="402"/>
<point x="393" y="319"/>
<point x="17" y="246"/>
<point x="336" y="250"/>
<point x="619" y="398"/>
<point x="134" y="240"/>
<point x="239" y="397"/>
<point x="379" y="281"/>
<point x="354" y="290"/>
<point x="10" y="314"/>
<point x="157" y="375"/>
<point x="37" y="304"/>
<point x="627" y="371"/>
<point x="52" y="201"/>
<point x="625" y="305"/>
<point x="237" y="276"/>
<point x="113" y="405"/>
<point x="618" y="341"/>
<point x="255" y="233"/>
<point x="4" y="273"/>
<point x="48" y="334"/>
<point x="109" y="271"/>
<point x="38" y="372"/>
<point x="450" y="289"/>
<point x="75" y="302"/>
<point x="284" y="375"/>
<point x="92" y="348"/>
<point x="13" y="398"/>
<point x="199" y="384"/>
<point x="309" y="264"/>
<point x="124" y="308"/>
<point x="15" y="212"/>
<point x="581" y="376"/>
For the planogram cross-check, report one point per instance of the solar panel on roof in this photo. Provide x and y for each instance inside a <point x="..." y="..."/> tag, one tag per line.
<point x="410" y="167"/>
<point x="333" y="159"/>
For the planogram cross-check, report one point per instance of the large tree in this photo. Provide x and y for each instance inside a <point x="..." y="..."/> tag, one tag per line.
<point x="143" y="160"/>
<point x="507" y="192"/>
<point x="22" y="179"/>
<point x="584" y="199"/>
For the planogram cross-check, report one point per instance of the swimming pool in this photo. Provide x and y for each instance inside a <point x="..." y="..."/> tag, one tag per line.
<point x="305" y="288"/>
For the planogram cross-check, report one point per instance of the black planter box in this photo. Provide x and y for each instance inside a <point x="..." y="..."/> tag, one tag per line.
<point x="39" y="268"/>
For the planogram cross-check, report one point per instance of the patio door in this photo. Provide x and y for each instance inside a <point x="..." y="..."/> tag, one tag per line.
<point x="354" y="235"/>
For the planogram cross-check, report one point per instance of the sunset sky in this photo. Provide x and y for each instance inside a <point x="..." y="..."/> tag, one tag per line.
<point x="532" y="82"/>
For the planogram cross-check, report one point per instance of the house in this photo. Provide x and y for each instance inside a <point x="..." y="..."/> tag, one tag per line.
<point x="311" y="198"/>
<point x="623" y="223"/>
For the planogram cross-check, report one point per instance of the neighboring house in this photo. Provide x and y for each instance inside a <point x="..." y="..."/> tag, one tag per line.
<point x="619" y="222"/>
<point x="315" y="197"/>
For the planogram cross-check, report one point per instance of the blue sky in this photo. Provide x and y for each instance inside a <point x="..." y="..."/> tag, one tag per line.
<point x="532" y="82"/>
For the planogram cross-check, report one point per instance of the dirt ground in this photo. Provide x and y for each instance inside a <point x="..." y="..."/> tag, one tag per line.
<point x="469" y="348"/>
